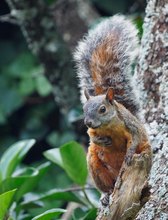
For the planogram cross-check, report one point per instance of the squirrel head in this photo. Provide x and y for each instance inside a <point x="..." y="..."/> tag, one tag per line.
<point x="99" y="110"/>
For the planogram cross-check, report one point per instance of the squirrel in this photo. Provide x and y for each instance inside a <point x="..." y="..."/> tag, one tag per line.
<point x="103" y="59"/>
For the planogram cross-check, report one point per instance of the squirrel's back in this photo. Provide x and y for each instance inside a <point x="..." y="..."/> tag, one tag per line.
<point x="104" y="58"/>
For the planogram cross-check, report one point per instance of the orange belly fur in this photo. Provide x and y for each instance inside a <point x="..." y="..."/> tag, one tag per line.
<point x="105" y="162"/>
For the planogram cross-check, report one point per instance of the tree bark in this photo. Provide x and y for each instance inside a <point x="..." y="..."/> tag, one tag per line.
<point x="131" y="190"/>
<point x="152" y="83"/>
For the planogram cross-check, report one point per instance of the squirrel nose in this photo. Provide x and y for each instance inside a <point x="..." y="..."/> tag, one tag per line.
<point x="88" y="122"/>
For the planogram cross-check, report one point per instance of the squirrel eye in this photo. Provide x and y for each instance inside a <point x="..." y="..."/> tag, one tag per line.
<point x="102" y="109"/>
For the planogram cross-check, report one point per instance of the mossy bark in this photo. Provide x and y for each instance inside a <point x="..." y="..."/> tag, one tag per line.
<point x="152" y="82"/>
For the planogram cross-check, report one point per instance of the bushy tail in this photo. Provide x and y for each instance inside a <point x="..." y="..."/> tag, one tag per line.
<point x="104" y="58"/>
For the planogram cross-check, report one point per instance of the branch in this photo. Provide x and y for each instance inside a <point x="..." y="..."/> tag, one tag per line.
<point x="131" y="190"/>
<point x="73" y="18"/>
<point x="78" y="188"/>
<point x="70" y="209"/>
<point x="8" y="18"/>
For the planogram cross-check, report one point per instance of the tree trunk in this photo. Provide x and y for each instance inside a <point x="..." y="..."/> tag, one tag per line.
<point x="152" y="78"/>
<point x="152" y="83"/>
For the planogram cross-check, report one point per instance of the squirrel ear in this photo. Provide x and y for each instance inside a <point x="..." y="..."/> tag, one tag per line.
<point x="110" y="94"/>
<point x="86" y="92"/>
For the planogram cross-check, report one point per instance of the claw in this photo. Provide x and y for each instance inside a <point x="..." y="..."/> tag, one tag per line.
<point x="128" y="159"/>
<point x="105" y="200"/>
<point x="102" y="141"/>
<point x="129" y="156"/>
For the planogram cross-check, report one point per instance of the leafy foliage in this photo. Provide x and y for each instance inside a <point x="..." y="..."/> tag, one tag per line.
<point x="11" y="158"/>
<point x="65" y="157"/>
<point x="17" y="199"/>
<point x="48" y="215"/>
<point x="5" y="200"/>
<point x="26" y="97"/>
<point x="23" y="76"/>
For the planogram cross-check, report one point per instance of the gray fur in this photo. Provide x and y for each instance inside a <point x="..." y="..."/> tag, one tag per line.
<point x="91" y="113"/>
<point x="126" y="51"/>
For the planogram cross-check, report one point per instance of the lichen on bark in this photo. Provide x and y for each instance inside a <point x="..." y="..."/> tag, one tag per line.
<point x="152" y="82"/>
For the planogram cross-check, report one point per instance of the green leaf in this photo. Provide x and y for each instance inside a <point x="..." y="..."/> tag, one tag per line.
<point x="54" y="155"/>
<point x="50" y="214"/>
<point x="2" y="117"/>
<point x="5" y="201"/>
<point x="72" y="158"/>
<point x="91" y="215"/>
<point x="52" y="195"/>
<point x="10" y="100"/>
<point x="27" y="86"/>
<point x="31" y="205"/>
<point x="22" y="66"/>
<point x="26" y="182"/>
<point x="74" y="162"/>
<point x="78" y="213"/>
<point x="32" y="182"/>
<point x="43" y="86"/>
<point x="53" y="138"/>
<point x="12" y="157"/>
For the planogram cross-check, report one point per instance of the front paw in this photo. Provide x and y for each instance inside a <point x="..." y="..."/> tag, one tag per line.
<point x="106" y="141"/>
<point x="128" y="159"/>
<point x="105" y="199"/>
<point x="102" y="141"/>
